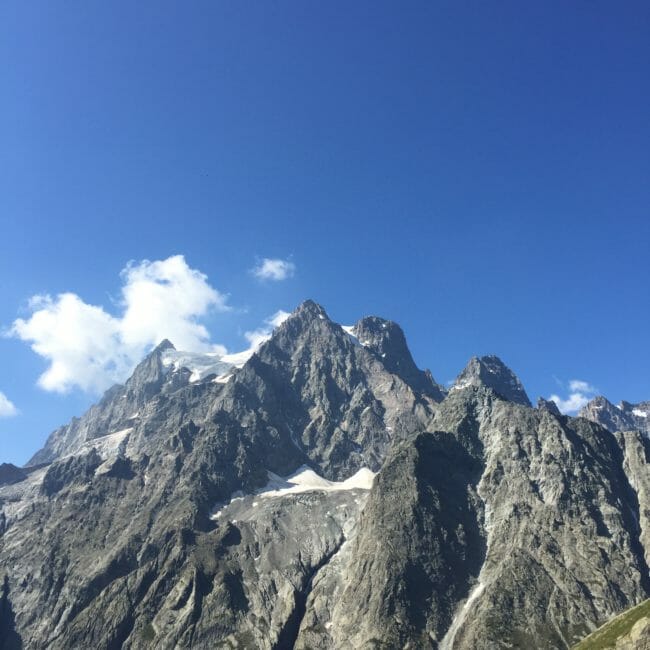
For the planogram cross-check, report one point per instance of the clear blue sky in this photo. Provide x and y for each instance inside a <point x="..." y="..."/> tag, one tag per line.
<point x="479" y="172"/>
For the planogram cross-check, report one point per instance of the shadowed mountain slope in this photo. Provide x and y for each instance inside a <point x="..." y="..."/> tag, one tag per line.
<point x="161" y="517"/>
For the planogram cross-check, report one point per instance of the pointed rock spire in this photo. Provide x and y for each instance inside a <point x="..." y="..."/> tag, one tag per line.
<point x="491" y="372"/>
<point x="548" y="405"/>
<point x="386" y="339"/>
<point x="165" y="344"/>
<point x="149" y="374"/>
<point x="310" y="309"/>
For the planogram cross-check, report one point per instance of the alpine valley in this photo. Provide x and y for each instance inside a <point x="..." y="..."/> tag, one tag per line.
<point x="323" y="492"/>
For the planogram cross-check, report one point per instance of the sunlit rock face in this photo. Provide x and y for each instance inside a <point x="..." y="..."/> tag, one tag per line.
<point x="322" y="491"/>
<point x="624" y="417"/>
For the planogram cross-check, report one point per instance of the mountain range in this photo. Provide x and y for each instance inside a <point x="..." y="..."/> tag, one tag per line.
<point x="323" y="492"/>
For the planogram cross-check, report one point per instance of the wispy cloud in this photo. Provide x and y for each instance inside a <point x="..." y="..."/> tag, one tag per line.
<point x="7" y="408"/>
<point x="89" y="348"/>
<point x="274" y="270"/>
<point x="580" y="393"/>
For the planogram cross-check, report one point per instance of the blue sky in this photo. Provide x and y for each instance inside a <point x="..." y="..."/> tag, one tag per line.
<point x="476" y="171"/>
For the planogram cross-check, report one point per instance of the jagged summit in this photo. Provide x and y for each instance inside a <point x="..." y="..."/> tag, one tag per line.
<point x="309" y="308"/>
<point x="171" y="514"/>
<point x="165" y="344"/>
<point x="386" y="339"/>
<point x="491" y="372"/>
<point x="548" y="405"/>
<point x="624" y="417"/>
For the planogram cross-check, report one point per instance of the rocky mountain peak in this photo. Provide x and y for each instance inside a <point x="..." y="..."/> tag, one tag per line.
<point x="386" y="340"/>
<point x="310" y="309"/>
<point x="199" y="509"/>
<point x="598" y="403"/>
<point x="548" y="405"/>
<point x="624" y="417"/>
<point x="165" y="344"/>
<point x="308" y="317"/>
<point x="149" y="374"/>
<point x="491" y="372"/>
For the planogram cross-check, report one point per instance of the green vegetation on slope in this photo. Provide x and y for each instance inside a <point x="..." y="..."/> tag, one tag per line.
<point x="606" y="636"/>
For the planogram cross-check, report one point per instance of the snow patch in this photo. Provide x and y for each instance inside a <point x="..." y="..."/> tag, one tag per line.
<point x="218" y="509"/>
<point x="302" y="480"/>
<point x="639" y="413"/>
<point x="306" y="480"/>
<point x="349" y="330"/>
<point x="106" y="446"/>
<point x="238" y="359"/>
<point x="199" y="364"/>
<point x="202" y="365"/>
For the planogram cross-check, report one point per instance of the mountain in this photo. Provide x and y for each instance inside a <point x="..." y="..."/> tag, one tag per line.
<point x="490" y="371"/>
<point x="624" y="417"/>
<point x="322" y="492"/>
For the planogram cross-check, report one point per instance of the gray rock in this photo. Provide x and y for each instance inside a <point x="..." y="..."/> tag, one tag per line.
<point x="9" y="474"/>
<point x="386" y="339"/>
<point x="491" y="372"/>
<point x="117" y="410"/>
<point x="489" y="524"/>
<point x="624" y="417"/>
<point x="503" y="527"/>
<point x="548" y="405"/>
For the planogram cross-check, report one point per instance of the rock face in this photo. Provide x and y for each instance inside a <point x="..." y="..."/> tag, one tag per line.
<point x="160" y="519"/>
<point x="501" y="526"/>
<point x="386" y="340"/>
<point x="624" y="417"/>
<point x="491" y="372"/>
<point x="9" y="474"/>
<point x="548" y="405"/>
<point x="117" y="410"/>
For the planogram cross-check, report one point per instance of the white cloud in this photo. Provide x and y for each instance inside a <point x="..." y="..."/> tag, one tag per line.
<point x="578" y="386"/>
<point x="7" y="409"/>
<point x="163" y="299"/>
<point x="89" y="348"/>
<point x="258" y="336"/>
<point x="274" y="269"/>
<point x="580" y="393"/>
